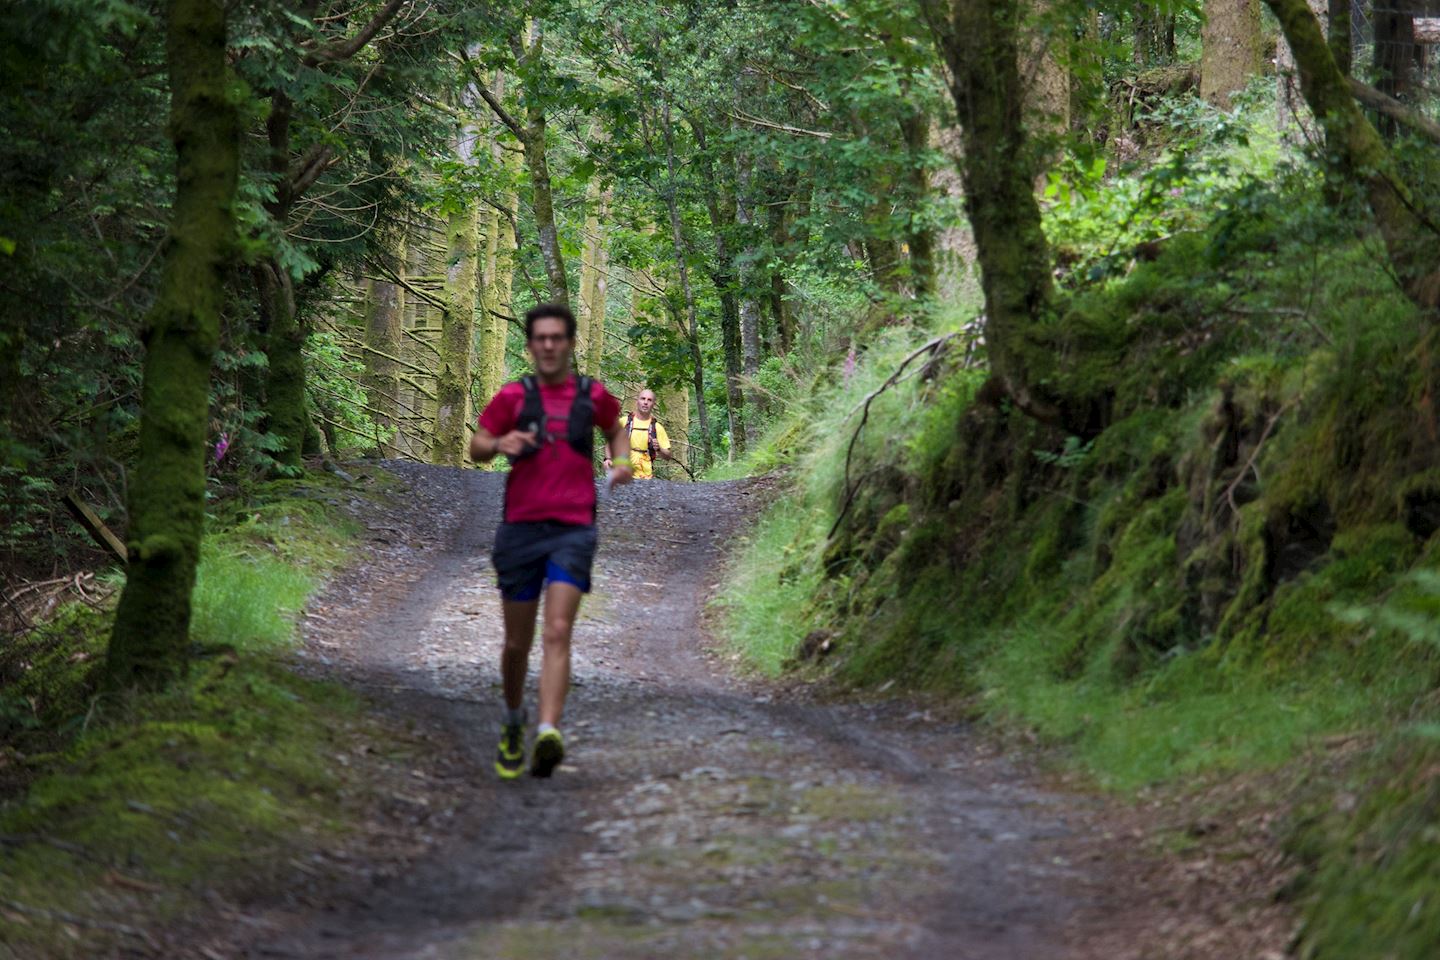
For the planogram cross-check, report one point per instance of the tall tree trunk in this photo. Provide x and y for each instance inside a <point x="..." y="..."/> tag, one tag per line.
<point x="749" y="285"/>
<point x="920" y="235"/>
<point x="1410" y="240"/>
<point x="692" y="329"/>
<point x="150" y="640"/>
<point x="490" y="358"/>
<point x="595" y="349"/>
<point x="881" y="250"/>
<point x="1338" y="27"/>
<point x="500" y="246"/>
<point x="1045" y="77"/>
<point x="978" y="39"/>
<point x="589" y="255"/>
<point x="1394" y="55"/>
<point x="653" y="304"/>
<point x="779" y="219"/>
<point x="285" y="412"/>
<point x="1291" y="115"/>
<point x="537" y="163"/>
<point x="384" y="329"/>
<point x="720" y="203"/>
<point x="1232" y="48"/>
<point x="457" y="339"/>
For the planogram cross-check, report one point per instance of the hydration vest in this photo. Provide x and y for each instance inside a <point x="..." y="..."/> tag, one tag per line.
<point x="652" y="443"/>
<point x="580" y="421"/>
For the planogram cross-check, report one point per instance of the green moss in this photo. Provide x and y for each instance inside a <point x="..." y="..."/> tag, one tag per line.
<point x="226" y="782"/>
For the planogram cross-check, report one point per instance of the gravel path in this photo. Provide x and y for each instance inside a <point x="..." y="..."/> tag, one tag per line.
<point x="697" y="815"/>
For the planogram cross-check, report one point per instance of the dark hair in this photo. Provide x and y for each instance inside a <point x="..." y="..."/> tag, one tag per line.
<point x="547" y="311"/>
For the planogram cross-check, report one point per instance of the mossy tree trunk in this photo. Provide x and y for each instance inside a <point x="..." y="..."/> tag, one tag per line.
<point x="1338" y="27"/>
<point x="1411" y="242"/>
<point x="1232" y="48"/>
<point x="720" y="204"/>
<point x="384" y="330"/>
<point x="530" y="54"/>
<point x="749" y="284"/>
<point x="919" y="233"/>
<point x="600" y="292"/>
<point x="1394" y="54"/>
<point x="150" y="641"/>
<point x="687" y="290"/>
<point x="497" y="306"/>
<point x="285" y="413"/>
<point x="979" y="42"/>
<point x="589" y="254"/>
<point x="537" y="163"/>
<point x="778" y="221"/>
<point x="500" y="246"/>
<point x="450" y="437"/>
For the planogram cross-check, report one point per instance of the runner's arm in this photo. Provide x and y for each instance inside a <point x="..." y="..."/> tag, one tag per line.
<point x="617" y="446"/>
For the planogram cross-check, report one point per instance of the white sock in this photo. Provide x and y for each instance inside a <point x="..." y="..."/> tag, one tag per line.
<point x="545" y="728"/>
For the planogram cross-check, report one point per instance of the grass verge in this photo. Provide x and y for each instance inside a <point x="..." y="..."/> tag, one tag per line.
<point x="125" y="815"/>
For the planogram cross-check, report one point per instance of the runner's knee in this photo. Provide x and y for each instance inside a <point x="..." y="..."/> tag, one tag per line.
<point x="557" y="633"/>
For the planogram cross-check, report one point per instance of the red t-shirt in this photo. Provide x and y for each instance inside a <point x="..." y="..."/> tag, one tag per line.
<point x="557" y="483"/>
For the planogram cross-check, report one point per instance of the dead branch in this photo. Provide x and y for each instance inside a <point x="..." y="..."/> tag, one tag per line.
<point x="932" y="348"/>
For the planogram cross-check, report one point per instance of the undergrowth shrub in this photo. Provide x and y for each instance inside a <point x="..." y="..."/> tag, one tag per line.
<point x="224" y="782"/>
<point x="1240" y="564"/>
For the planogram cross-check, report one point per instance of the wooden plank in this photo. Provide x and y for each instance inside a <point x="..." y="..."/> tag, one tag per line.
<point x="94" y="526"/>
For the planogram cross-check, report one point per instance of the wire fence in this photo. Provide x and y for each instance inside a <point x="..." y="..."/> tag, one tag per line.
<point x="1399" y="50"/>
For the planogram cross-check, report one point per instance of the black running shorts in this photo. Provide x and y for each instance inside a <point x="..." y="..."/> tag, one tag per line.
<point x="528" y="554"/>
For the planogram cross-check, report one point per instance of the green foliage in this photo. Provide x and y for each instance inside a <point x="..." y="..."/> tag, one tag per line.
<point x="771" y="581"/>
<point x="1239" y="566"/>
<point x="1096" y="217"/>
<point x="222" y="783"/>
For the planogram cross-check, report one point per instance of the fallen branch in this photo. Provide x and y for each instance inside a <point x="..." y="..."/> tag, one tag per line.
<point x="932" y="348"/>
<point x="1250" y="463"/>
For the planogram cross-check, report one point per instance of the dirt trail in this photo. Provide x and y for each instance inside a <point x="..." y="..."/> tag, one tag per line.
<point x="697" y="816"/>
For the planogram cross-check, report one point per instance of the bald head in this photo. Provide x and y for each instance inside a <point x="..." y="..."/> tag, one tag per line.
<point x="645" y="403"/>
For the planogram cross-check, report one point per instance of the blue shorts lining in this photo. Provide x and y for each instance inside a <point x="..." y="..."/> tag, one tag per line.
<point x="554" y="573"/>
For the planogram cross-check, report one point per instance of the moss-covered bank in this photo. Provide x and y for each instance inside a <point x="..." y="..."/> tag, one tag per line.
<point x="121" y="816"/>
<point x="1233" y="568"/>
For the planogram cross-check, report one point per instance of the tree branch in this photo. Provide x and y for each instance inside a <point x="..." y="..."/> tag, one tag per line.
<point x="345" y="49"/>
<point x="316" y="161"/>
<point x="1395" y="110"/>
<point x="785" y="127"/>
<point x="501" y="113"/>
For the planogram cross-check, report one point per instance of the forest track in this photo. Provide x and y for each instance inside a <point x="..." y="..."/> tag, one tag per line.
<point x="698" y="815"/>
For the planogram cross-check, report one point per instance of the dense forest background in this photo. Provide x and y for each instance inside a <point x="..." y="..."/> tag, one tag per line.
<point x="1095" y="342"/>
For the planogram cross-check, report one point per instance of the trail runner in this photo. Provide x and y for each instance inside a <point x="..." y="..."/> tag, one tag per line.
<point x="646" y="436"/>
<point x="546" y="542"/>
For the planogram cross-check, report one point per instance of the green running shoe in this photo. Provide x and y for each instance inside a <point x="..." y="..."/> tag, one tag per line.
<point x="510" y="758"/>
<point x="549" y="751"/>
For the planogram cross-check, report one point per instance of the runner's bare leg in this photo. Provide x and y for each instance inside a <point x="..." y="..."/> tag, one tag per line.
<point x="562" y="604"/>
<point x="515" y="658"/>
